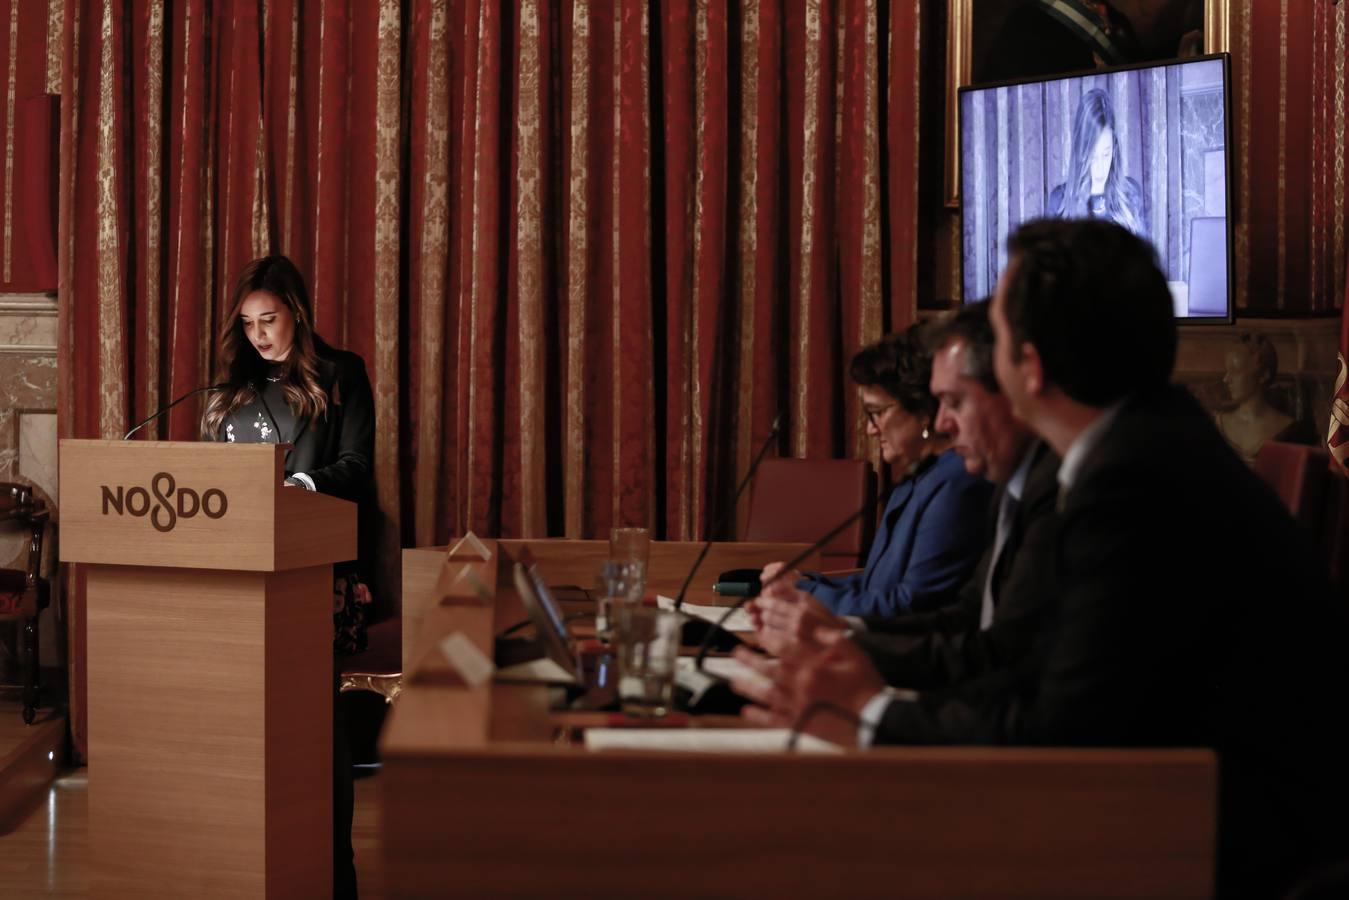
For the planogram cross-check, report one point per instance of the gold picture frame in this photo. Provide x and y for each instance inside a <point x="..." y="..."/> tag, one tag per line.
<point x="1218" y="22"/>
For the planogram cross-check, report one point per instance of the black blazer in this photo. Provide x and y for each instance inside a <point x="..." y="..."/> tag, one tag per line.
<point x="935" y="650"/>
<point x="337" y="450"/>
<point x="1188" y="610"/>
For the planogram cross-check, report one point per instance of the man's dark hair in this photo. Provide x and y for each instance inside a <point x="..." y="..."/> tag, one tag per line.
<point x="1089" y="296"/>
<point x="968" y="325"/>
<point x="900" y="365"/>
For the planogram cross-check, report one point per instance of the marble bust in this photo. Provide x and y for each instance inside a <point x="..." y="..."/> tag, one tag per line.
<point x="1250" y="420"/>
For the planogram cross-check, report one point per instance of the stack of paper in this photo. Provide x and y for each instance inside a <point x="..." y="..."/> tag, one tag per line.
<point x="703" y="740"/>
<point x="739" y="620"/>
<point x="723" y="667"/>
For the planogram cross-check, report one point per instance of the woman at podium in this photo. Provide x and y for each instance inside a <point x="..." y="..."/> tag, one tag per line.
<point x="286" y="385"/>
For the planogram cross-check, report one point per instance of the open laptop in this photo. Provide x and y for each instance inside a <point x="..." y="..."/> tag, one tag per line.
<point x="558" y="663"/>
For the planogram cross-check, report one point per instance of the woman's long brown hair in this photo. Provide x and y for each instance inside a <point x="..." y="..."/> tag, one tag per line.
<point x="240" y="366"/>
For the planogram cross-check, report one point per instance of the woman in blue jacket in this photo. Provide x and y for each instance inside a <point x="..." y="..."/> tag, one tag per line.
<point x="933" y="529"/>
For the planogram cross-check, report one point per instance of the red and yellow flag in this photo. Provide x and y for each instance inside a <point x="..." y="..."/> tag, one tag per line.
<point x="1337" y="436"/>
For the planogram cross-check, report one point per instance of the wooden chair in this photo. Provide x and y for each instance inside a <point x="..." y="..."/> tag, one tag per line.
<point x="1318" y="498"/>
<point x="1300" y="475"/>
<point x="24" y="593"/>
<point x="378" y="668"/>
<point x="801" y="499"/>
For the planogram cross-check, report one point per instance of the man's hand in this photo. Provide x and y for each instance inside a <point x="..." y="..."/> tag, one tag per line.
<point x="823" y="668"/>
<point x="773" y="582"/>
<point x="783" y="618"/>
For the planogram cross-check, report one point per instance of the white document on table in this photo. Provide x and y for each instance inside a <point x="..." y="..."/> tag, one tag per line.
<point x="739" y="620"/>
<point x="723" y="667"/>
<point x="704" y="740"/>
<point x="536" y="671"/>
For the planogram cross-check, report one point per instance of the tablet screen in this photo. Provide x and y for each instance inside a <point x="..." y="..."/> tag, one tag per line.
<point x="543" y="612"/>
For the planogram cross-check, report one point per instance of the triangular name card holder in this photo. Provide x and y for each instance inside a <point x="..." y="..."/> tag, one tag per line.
<point x="469" y="549"/>
<point x="453" y="660"/>
<point x="458" y="583"/>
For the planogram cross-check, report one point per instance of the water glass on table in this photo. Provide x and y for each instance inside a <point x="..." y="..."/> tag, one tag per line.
<point x="621" y="582"/>
<point x="647" y="648"/>
<point x="630" y="545"/>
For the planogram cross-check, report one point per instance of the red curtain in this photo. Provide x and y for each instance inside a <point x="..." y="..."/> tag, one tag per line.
<point x="28" y="122"/>
<point x="1337" y="433"/>
<point x="588" y="249"/>
<point x="1289" y="125"/>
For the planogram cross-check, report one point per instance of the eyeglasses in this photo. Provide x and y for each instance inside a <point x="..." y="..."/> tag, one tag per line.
<point x="874" y="414"/>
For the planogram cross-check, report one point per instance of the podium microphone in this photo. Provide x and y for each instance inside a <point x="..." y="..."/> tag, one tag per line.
<point x="730" y="511"/>
<point x="720" y="624"/>
<point x="163" y="409"/>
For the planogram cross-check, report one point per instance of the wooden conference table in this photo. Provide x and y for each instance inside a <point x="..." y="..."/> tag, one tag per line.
<point x="486" y="792"/>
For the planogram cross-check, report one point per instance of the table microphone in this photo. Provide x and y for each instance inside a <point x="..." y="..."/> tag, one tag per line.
<point x="720" y="624"/>
<point x="729" y="511"/>
<point x="163" y="409"/>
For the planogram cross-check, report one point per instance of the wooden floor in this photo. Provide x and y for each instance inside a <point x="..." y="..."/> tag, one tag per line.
<point x="30" y="757"/>
<point x="47" y="855"/>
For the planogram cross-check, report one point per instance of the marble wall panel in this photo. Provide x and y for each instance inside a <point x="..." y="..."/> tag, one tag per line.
<point x="37" y="440"/>
<point x="28" y="436"/>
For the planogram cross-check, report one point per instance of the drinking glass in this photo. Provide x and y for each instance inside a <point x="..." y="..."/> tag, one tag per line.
<point x="630" y="545"/>
<point x="620" y="583"/>
<point x="646" y="647"/>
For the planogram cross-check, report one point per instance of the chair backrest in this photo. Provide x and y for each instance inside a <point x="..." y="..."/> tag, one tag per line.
<point x="19" y="508"/>
<point x="802" y="499"/>
<point x="15" y="497"/>
<point x="1335" y="531"/>
<point x="1300" y="476"/>
<point x="1316" y="496"/>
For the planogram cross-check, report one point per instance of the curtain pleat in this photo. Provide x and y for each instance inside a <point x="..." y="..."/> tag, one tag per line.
<point x="632" y="404"/>
<point x="428" y="250"/>
<point x="1329" y="193"/>
<point x="589" y="250"/>
<point x="524" y="494"/>
<point x="1289" y="63"/>
<point x="678" y="114"/>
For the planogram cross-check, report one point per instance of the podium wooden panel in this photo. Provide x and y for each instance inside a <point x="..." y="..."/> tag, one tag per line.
<point x="210" y="667"/>
<point x="481" y="799"/>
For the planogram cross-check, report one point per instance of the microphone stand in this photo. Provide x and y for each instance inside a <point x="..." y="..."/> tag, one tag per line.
<point x="721" y="523"/>
<point x="720" y="624"/>
<point x="162" y="410"/>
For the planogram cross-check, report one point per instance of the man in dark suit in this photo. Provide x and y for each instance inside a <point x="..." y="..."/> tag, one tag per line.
<point x="1188" y="608"/>
<point x="995" y="615"/>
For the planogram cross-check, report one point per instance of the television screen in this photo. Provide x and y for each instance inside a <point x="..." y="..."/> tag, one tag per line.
<point x="1146" y="146"/>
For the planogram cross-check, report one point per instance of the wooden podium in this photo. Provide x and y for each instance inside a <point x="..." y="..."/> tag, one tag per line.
<point x="210" y="696"/>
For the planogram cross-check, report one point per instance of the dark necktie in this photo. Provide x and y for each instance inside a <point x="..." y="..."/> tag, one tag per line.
<point x="1006" y="514"/>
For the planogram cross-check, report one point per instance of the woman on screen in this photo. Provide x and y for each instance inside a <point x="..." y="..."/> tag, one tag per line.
<point x="1097" y="188"/>
<point x="932" y="531"/>
<point x="286" y="385"/>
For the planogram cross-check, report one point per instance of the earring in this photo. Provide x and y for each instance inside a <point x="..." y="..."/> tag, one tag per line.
<point x="927" y="433"/>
